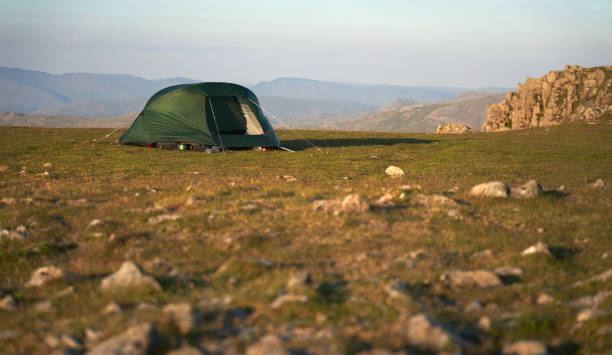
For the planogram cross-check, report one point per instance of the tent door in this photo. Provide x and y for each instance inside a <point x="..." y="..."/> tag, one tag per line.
<point x="252" y="123"/>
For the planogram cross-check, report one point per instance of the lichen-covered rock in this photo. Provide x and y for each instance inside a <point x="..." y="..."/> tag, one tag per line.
<point x="530" y="189"/>
<point x="394" y="171"/>
<point x="573" y="94"/>
<point x="452" y="128"/>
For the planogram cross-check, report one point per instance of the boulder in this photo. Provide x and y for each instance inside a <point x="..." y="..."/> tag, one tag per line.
<point x="529" y="190"/>
<point x="433" y="201"/>
<point x="490" y="189"/>
<point x="186" y="350"/>
<point x="537" y="248"/>
<point x="525" y="347"/>
<point x="128" y="276"/>
<point x="394" y="172"/>
<point x="355" y="203"/>
<point x="480" y="278"/>
<point x="268" y="345"/>
<point x="47" y="274"/>
<point x="452" y="128"/>
<point x="184" y="316"/>
<point x="136" y="340"/>
<point x="8" y="303"/>
<point x="427" y="334"/>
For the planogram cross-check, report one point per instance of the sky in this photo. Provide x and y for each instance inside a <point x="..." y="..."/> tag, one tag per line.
<point x="441" y="43"/>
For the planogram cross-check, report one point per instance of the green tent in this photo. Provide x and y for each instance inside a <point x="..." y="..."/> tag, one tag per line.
<point x="220" y="114"/>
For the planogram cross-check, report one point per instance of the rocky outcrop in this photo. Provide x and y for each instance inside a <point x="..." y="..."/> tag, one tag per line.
<point x="451" y="128"/>
<point x="573" y="94"/>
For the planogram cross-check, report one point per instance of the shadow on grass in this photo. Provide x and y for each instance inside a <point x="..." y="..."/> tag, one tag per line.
<point x="298" y="144"/>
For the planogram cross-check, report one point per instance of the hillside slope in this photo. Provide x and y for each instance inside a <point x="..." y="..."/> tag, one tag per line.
<point x="468" y="109"/>
<point x="17" y="119"/>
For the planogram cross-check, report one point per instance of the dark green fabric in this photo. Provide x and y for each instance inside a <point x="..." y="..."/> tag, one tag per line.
<point x="182" y="113"/>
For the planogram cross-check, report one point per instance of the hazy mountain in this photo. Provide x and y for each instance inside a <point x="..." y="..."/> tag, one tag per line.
<point x="95" y="108"/>
<point x="373" y="95"/>
<point x="469" y="109"/>
<point x="59" y="121"/>
<point x="291" y="109"/>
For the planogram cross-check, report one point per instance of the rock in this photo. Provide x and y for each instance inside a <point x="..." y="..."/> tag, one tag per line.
<point x="538" y="248"/>
<point x="8" y="303"/>
<point x="164" y="217"/>
<point x="268" y="345"/>
<point x="328" y="206"/>
<point x="394" y="172"/>
<point x="484" y="323"/>
<point x="17" y="235"/>
<point x="385" y="200"/>
<point x="433" y="201"/>
<point x="72" y="342"/>
<point x="186" y="350"/>
<point x="525" y="347"/>
<point x="480" y="278"/>
<point x="282" y="299"/>
<point x="590" y="313"/>
<point x="355" y="203"/>
<point x="47" y="274"/>
<point x="565" y="96"/>
<point x="604" y="276"/>
<point x="452" y="128"/>
<point x="508" y="271"/>
<point x="544" y="299"/>
<point x="93" y="336"/>
<point x="397" y="289"/>
<point x="590" y="301"/>
<point x="128" y="276"/>
<point x="410" y="187"/>
<point x="136" y="340"/>
<point x="487" y="253"/>
<point x="111" y="308"/>
<point x="287" y="178"/>
<point x="298" y="278"/>
<point x="490" y="189"/>
<point x="598" y="184"/>
<point x="473" y="307"/>
<point x="427" y="334"/>
<point x="184" y="316"/>
<point x="94" y="222"/>
<point x="530" y="190"/>
<point x="43" y="307"/>
<point x="68" y="291"/>
<point x="146" y="307"/>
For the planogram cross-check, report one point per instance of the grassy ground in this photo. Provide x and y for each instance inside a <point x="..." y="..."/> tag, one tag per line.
<point x="240" y="212"/>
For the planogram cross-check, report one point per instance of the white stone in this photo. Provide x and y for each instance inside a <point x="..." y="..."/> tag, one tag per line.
<point x="8" y="303"/>
<point x="538" y="248"/>
<point x="525" y="347"/>
<point x="529" y="190"/>
<point x="282" y="299"/>
<point x="184" y="316"/>
<point x="427" y="334"/>
<point x="355" y="203"/>
<point x="48" y="274"/>
<point x="394" y="172"/>
<point x="128" y="276"/>
<point x="268" y="345"/>
<point x="137" y="340"/>
<point x="490" y="189"/>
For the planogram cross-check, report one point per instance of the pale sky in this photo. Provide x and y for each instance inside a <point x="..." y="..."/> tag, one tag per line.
<point x="403" y="42"/>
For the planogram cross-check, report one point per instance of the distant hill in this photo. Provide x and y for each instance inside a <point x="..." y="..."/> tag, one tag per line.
<point x="466" y="108"/>
<point x="27" y="90"/>
<point x="372" y="95"/>
<point x="291" y="109"/>
<point x="95" y="108"/>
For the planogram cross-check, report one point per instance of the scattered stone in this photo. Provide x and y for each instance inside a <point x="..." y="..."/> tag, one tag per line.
<point x="48" y="274"/>
<point x="93" y="336"/>
<point x="71" y="342"/>
<point x="18" y="234"/>
<point x="298" y="278"/>
<point x="544" y="298"/>
<point x="604" y="276"/>
<point x="282" y="299"/>
<point x="151" y="189"/>
<point x="487" y="253"/>
<point x="598" y="184"/>
<point x="184" y="316"/>
<point x="480" y="278"/>
<point x="590" y="301"/>
<point x="47" y="165"/>
<point x="385" y="200"/>
<point x="112" y="308"/>
<point x="136" y="340"/>
<point x="396" y="289"/>
<point x="286" y="178"/>
<point x="146" y="307"/>
<point x="525" y="347"/>
<point x="432" y="201"/>
<point x="484" y="323"/>
<point x="540" y="230"/>
<point x="190" y="200"/>
<point x="531" y="189"/>
<point x="68" y="291"/>
<point x="538" y="248"/>
<point x="410" y="187"/>
<point x="43" y="307"/>
<point x="94" y="223"/>
<point x="417" y="254"/>
<point x="355" y="203"/>
<point x="268" y="345"/>
<point x="328" y="206"/>
<point x="427" y="334"/>
<point x="52" y="341"/>
<point x="604" y="255"/>
<point x="508" y="271"/>
<point x="8" y="303"/>
<point x="394" y="172"/>
<point x="128" y="276"/>
<point x="186" y="350"/>
<point x="590" y="313"/>
<point x="164" y="217"/>
<point x="490" y="189"/>
<point x="474" y="307"/>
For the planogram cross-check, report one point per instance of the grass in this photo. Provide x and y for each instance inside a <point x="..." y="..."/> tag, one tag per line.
<point x="241" y="213"/>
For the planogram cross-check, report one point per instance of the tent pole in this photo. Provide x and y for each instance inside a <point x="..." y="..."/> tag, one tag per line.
<point x="216" y="125"/>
